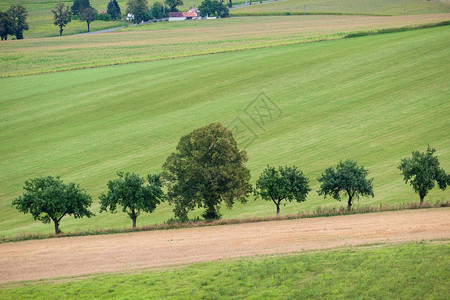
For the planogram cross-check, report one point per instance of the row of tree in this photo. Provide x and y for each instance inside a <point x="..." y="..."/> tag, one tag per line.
<point x="13" y="22"/>
<point x="208" y="169"/>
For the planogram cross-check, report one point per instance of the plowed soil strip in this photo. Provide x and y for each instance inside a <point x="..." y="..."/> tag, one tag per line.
<point x="38" y="259"/>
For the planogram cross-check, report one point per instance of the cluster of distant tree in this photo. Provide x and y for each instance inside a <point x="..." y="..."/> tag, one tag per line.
<point x="13" y="22"/>
<point x="208" y="169"/>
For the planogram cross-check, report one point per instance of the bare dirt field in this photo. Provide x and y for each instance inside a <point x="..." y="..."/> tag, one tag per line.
<point x="72" y="256"/>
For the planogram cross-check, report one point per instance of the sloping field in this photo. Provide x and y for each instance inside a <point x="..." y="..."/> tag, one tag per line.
<point x="380" y="7"/>
<point x="179" y="39"/>
<point x="373" y="99"/>
<point x="52" y="258"/>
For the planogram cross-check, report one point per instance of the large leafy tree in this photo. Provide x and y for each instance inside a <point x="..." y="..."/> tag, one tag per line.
<point x="61" y="16"/>
<point x="139" y="9"/>
<point x="88" y="15"/>
<point x="7" y="25"/>
<point x="19" y="15"/>
<point x="172" y="4"/>
<point x="207" y="169"/>
<point x="422" y="170"/>
<point x="113" y="9"/>
<point x="285" y="183"/>
<point x="213" y="8"/>
<point x="130" y="192"/>
<point x="79" y="6"/>
<point x="347" y="178"/>
<point x="158" y="10"/>
<point x="48" y="198"/>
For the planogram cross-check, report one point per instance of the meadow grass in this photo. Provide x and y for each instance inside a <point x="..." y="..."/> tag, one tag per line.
<point x="405" y="271"/>
<point x="373" y="99"/>
<point x="380" y="7"/>
<point x="180" y="39"/>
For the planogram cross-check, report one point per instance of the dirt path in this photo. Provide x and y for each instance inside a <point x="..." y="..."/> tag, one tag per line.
<point x="51" y="258"/>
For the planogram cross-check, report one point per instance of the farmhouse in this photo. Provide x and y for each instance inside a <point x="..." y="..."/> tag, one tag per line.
<point x="192" y="14"/>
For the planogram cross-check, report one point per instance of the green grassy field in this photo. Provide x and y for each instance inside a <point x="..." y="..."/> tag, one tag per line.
<point x="380" y="7"/>
<point x="373" y="99"/>
<point x="409" y="271"/>
<point x="180" y="39"/>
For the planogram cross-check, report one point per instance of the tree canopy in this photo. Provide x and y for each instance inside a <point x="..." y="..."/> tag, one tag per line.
<point x="206" y="170"/>
<point x="130" y="192"/>
<point x="423" y="170"/>
<point x="18" y="14"/>
<point x="7" y="25"/>
<point x="79" y="6"/>
<point x="172" y="4"/>
<point x="158" y="10"/>
<point x="48" y="198"/>
<point x="285" y="183"/>
<point x="139" y="9"/>
<point x="88" y="15"/>
<point x="61" y="16"/>
<point x="347" y="178"/>
<point x="213" y="8"/>
<point x="113" y="9"/>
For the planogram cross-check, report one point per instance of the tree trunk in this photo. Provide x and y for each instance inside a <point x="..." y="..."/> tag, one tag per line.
<point x="349" y="204"/>
<point x="278" y="209"/>
<point x="88" y="27"/>
<point x="231" y="4"/>
<point x="134" y="221"/>
<point x="57" y="231"/>
<point x="421" y="199"/>
<point x="60" y="30"/>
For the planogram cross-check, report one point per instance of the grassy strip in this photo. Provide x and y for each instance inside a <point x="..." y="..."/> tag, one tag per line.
<point x="301" y="13"/>
<point x="242" y="47"/>
<point x="405" y="271"/>
<point x="319" y="211"/>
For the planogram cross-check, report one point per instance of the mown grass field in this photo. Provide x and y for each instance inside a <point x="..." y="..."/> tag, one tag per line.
<point x="380" y="7"/>
<point x="373" y="99"/>
<point x="417" y="270"/>
<point x="180" y="39"/>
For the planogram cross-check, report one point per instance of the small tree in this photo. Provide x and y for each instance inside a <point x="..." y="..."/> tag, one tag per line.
<point x="19" y="14"/>
<point x="7" y="26"/>
<point x="213" y="8"/>
<point x="130" y="192"/>
<point x="206" y="170"/>
<point x="422" y="170"/>
<point x="48" y="198"/>
<point x="348" y="178"/>
<point x="139" y="9"/>
<point x="172" y="4"/>
<point x="114" y="9"/>
<point x="88" y="15"/>
<point x="79" y="6"/>
<point x="62" y="17"/>
<point x="286" y="183"/>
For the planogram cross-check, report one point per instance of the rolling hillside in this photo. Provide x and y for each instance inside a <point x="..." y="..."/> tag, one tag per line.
<point x="373" y="99"/>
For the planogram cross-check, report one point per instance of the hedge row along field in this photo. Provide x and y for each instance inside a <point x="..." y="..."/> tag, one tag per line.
<point x="372" y="99"/>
